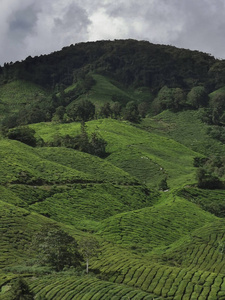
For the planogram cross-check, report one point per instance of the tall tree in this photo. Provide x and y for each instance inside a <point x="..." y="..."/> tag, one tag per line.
<point x="89" y="248"/>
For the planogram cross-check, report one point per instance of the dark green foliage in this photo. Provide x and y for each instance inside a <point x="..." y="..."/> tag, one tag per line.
<point x="205" y="115"/>
<point x="20" y="290"/>
<point x="208" y="180"/>
<point x="56" y="248"/>
<point x="59" y="114"/>
<point x="143" y="108"/>
<point x="97" y="145"/>
<point x="128" y="61"/>
<point x="94" y="144"/>
<point x="169" y="98"/>
<point x="163" y="184"/>
<point x="217" y="132"/>
<point x="209" y="200"/>
<point x="199" y="161"/>
<point x="39" y="110"/>
<point x="218" y="108"/>
<point x="105" y="110"/>
<point x="131" y="113"/>
<point x="116" y="109"/>
<point x="23" y="134"/>
<point x="83" y="110"/>
<point x="210" y="173"/>
<point x="9" y="122"/>
<point x="197" y="97"/>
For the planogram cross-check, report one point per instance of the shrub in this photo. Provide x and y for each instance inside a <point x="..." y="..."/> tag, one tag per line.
<point x="23" y="134"/>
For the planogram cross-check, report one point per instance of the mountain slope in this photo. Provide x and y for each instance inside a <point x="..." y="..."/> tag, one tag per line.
<point x="155" y="241"/>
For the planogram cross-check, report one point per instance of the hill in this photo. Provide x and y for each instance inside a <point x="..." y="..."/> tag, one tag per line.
<point x="115" y="148"/>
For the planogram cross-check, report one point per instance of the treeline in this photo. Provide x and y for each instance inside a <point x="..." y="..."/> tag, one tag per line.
<point x="66" y="107"/>
<point x="210" y="172"/>
<point x="133" y="63"/>
<point x="93" y="144"/>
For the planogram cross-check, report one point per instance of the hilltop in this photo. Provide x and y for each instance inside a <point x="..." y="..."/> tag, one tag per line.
<point x="118" y="147"/>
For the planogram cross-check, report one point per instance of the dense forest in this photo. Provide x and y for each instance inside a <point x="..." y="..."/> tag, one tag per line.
<point x="112" y="174"/>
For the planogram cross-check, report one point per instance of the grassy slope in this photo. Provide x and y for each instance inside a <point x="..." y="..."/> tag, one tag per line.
<point x="186" y="128"/>
<point x="203" y="250"/>
<point x="21" y="164"/>
<point x="157" y="226"/>
<point x="15" y="94"/>
<point x="51" y="181"/>
<point x="185" y="260"/>
<point x="99" y="169"/>
<point x="209" y="200"/>
<point x="17" y="227"/>
<point x="131" y="149"/>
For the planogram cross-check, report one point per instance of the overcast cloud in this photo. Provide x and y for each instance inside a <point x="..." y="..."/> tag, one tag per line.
<point x="31" y="27"/>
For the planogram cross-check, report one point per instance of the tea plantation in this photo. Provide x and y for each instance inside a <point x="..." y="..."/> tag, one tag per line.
<point x="135" y="216"/>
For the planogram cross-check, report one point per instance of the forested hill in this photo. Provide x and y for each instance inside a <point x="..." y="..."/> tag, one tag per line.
<point x="131" y="62"/>
<point x="112" y="174"/>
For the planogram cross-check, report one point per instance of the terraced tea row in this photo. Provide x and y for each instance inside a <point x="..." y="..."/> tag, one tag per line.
<point x="168" y="282"/>
<point x="130" y="146"/>
<point x="77" y="204"/>
<point x="159" y="225"/>
<point x="85" y="288"/>
<point x="204" y="250"/>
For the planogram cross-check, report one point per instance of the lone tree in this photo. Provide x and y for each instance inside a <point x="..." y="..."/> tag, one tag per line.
<point x="56" y="248"/>
<point x="89" y="247"/>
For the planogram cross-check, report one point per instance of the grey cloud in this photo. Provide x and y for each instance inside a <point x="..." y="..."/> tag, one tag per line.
<point x="29" y="27"/>
<point x="74" y="18"/>
<point x="22" y="23"/>
<point x="204" y="27"/>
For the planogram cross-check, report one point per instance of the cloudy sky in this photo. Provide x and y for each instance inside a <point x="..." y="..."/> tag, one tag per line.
<point x="35" y="27"/>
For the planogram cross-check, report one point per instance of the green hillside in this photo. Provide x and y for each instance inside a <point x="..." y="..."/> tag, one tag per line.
<point x="157" y="226"/>
<point x="16" y="94"/>
<point x="112" y="161"/>
<point x="186" y="128"/>
<point x="145" y="155"/>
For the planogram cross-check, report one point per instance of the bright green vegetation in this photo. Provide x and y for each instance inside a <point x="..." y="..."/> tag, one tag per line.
<point x="186" y="128"/>
<point x="145" y="155"/>
<point x="20" y="164"/>
<point x="147" y="227"/>
<point x="154" y="242"/>
<point x="104" y="90"/>
<point x="68" y="287"/>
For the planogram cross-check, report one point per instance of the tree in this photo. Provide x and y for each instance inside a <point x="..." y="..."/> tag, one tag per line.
<point x="116" y="109"/>
<point x="143" y="108"/>
<point x="23" y="134"/>
<point x="105" y="110"/>
<point x="20" y="290"/>
<point x="131" y="112"/>
<point x="197" y="97"/>
<point x="59" y="114"/>
<point x="169" y="98"/>
<point x="97" y="145"/>
<point x="82" y="110"/>
<point x="56" y="248"/>
<point x="89" y="247"/>
<point x="218" y="108"/>
<point x="207" y="179"/>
